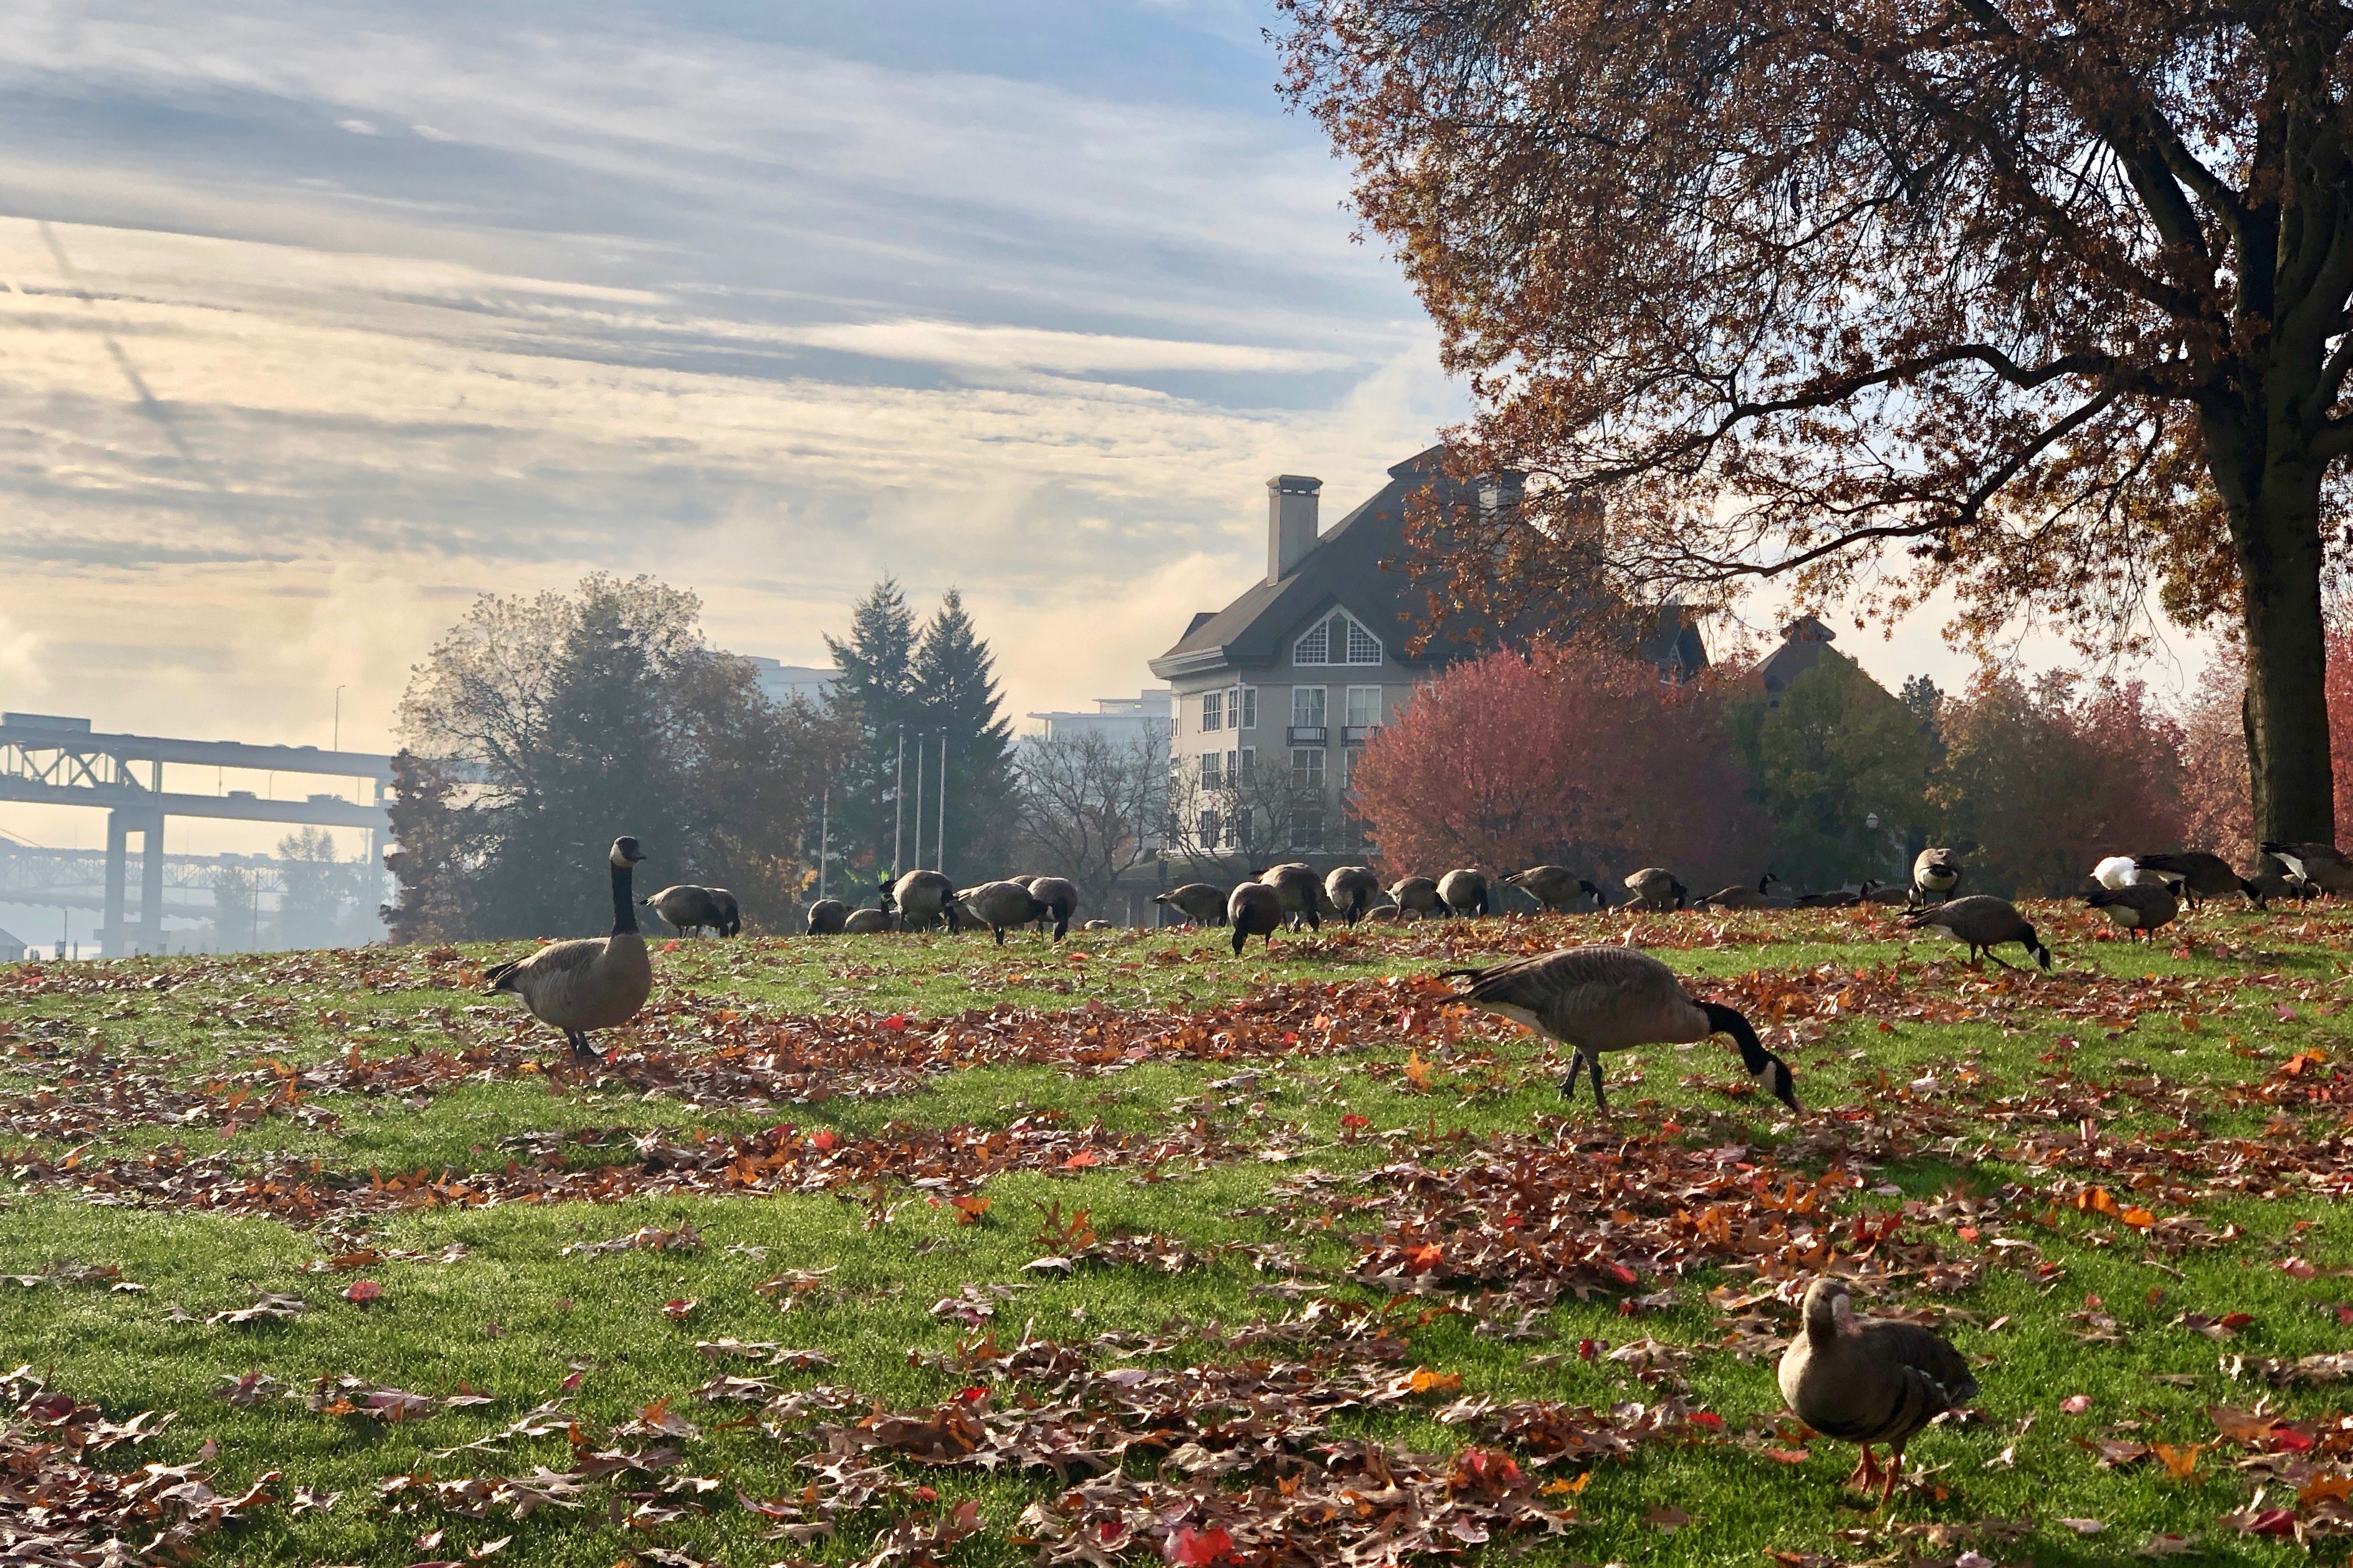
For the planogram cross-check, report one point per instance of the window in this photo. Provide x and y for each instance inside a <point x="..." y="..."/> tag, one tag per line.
<point x="1364" y="706"/>
<point x="1363" y="647"/>
<point x="1337" y="640"/>
<point x="1233" y="771"/>
<point x="1209" y="779"/>
<point x="1315" y="647"/>
<point x="1237" y="830"/>
<point x="1210" y="828"/>
<point x="1241" y="707"/>
<point x="1307" y="706"/>
<point x="1348" y="756"/>
<point x="1307" y="831"/>
<point x="1307" y="768"/>
<point x="1249" y="759"/>
<point x="1213" y="712"/>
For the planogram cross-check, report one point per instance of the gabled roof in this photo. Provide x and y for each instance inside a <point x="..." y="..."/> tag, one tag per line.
<point x="1343" y="569"/>
<point x="1803" y="640"/>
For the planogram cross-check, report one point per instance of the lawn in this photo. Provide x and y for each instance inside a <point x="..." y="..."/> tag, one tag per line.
<point x="908" y="1249"/>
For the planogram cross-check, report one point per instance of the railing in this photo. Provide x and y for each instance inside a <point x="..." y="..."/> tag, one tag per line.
<point x="1357" y="734"/>
<point x="1309" y="735"/>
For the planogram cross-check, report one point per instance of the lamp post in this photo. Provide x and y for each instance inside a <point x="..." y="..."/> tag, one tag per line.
<point x="1871" y="825"/>
<point x="337" y="745"/>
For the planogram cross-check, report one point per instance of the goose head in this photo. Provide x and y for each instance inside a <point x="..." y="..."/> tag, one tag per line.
<point x="1829" y="1309"/>
<point x="626" y="851"/>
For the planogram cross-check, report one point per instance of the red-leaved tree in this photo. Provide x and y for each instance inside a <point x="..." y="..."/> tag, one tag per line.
<point x="1572" y="754"/>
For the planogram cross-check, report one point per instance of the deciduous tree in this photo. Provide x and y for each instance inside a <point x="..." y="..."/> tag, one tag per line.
<point x="2045" y="306"/>
<point x="1088" y="807"/>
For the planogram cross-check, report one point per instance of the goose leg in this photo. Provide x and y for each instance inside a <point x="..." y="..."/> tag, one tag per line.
<point x="1568" y="1084"/>
<point x="1892" y="1473"/>
<point x="580" y="1049"/>
<point x="1998" y="959"/>
<point x="1593" y="1071"/>
<point x="1865" y="1472"/>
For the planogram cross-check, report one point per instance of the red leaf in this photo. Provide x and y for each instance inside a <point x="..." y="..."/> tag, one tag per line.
<point x="823" y="1140"/>
<point x="1195" y="1548"/>
<point x="363" y="1292"/>
<point x="895" y="1022"/>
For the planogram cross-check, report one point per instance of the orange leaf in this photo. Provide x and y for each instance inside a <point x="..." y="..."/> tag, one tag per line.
<point x="1081" y="1160"/>
<point x="1566" y="1489"/>
<point x="2137" y="1218"/>
<point x="1789" y="1456"/>
<point x="2180" y="1464"/>
<point x="1424" y="1381"/>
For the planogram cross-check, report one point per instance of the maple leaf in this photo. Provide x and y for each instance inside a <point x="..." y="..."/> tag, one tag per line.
<point x="1198" y="1548"/>
<point x="2075" y="1404"/>
<point x="970" y="1209"/>
<point x="363" y="1292"/>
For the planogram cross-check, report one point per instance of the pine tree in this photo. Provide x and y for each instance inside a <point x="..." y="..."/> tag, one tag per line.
<point x="876" y="690"/>
<point x="956" y="691"/>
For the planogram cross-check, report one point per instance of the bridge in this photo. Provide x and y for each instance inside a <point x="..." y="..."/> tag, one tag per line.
<point x="52" y="761"/>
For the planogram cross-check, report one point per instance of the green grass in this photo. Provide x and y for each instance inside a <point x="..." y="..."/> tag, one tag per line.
<point x="513" y="1317"/>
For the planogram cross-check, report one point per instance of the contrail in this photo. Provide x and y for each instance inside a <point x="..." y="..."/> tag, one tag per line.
<point x="148" y="402"/>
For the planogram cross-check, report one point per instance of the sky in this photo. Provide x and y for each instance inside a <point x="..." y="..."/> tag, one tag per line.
<point x="318" y="320"/>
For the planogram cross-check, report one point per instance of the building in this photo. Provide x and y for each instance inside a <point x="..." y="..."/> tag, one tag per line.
<point x="780" y="682"/>
<point x="1276" y="694"/>
<point x="11" y="950"/>
<point x="1803" y="642"/>
<point x="1123" y="721"/>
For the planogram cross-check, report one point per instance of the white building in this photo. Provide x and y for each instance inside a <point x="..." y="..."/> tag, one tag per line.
<point x="781" y="682"/>
<point x="1148" y="716"/>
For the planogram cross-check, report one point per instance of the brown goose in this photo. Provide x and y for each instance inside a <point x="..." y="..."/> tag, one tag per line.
<point x="1059" y="898"/>
<point x="1934" y="874"/>
<point x="1741" y="896"/>
<point x="589" y="983"/>
<point x="1655" y="887"/>
<point x="1415" y="895"/>
<point x="1556" y="887"/>
<point x="2322" y="865"/>
<point x="1597" y="999"/>
<point x="1000" y="906"/>
<point x="1983" y="921"/>
<point x="922" y="897"/>
<point x="866" y="922"/>
<point x="690" y="908"/>
<point x="1463" y="892"/>
<point x="1199" y="903"/>
<point x="827" y="917"/>
<point x="1866" y="1379"/>
<point x="2203" y="876"/>
<point x="1300" y="891"/>
<point x="1352" y="890"/>
<point x="1253" y="909"/>
<point x="2139" y="908"/>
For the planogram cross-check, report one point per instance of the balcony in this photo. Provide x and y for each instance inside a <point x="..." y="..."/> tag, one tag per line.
<point x="1309" y="735"/>
<point x="1357" y="734"/>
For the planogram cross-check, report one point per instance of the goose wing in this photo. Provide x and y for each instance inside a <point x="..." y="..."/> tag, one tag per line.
<point x="1602" y="997"/>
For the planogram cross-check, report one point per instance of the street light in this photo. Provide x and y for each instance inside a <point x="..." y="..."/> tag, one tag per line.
<point x="338" y="742"/>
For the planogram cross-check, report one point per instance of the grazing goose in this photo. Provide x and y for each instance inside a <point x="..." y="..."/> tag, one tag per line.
<point x="1934" y="874"/>
<point x="1883" y="893"/>
<point x="1598" y="999"/>
<point x="2273" y="880"/>
<point x="686" y="907"/>
<point x="1556" y="887"/>
<point x="2201" y="875"/>
<point x="1199" y="903"/>
<point x="1253" y="909"/>
<point x="1868" y="1380"/>
<point x="826" y="916"/>
<point x="1059" y="896"/>
<point x="1000" y="906"/>
<point x="1655" y="887"/>
<point x="1463" y="892"/>
<point x="2318" y="864"/>
<point x="922" y="897"/>
<point x="1385" y="915"/>
<point x="587" y="983"/>
<point x="1984" y="922"/>
<point x="867" y="923"/>
<point x="1352" y="890"/>
<point x="1300" y="891"/>
<point x="2139" y="908"/>
<point x="1415" y="896"/>
<point x="1741" y="896"/>
<point x="1833" y="898"/>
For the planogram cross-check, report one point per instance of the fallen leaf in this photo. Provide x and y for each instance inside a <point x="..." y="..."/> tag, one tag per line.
<point x="363" y="1292"/>
<point x="2075" y="1405"/>
<point x="1667" y="1519"/>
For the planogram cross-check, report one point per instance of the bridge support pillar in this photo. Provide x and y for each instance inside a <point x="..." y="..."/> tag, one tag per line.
<point x="151" y="887"/>
<point x="118" y="939"/>
<point x="111" y="934"/>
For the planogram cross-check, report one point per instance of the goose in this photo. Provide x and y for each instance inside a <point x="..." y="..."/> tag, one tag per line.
<point x="1300" y="891"/>
<point x="1415" y="896"/>
<point x="2273" y="881"/>
<point x="1352" y="890"/>
<point x="2201" y="875"/>
<point x="1984" y="922"/>
<point x="1598" y="999"/>
<point x="1059" y="896"/>
<point x="1833" y="898"/>
<point x="1869" y="1380"/>
<point x="1934" y="874"/>
<point x="1000" y="906"/>
<point x="826" y="916"/>
<point x="867" y="923"/>
<point x="1385" y="915"/>
<point x="1741" y="896"/>
<point x="1464" y="892"/>
<point x="1883" y="893"/>
<point x="1098" y="925"/>
<point x="2140" y="908"/>
<point x="1199" y="903"/>
<point x="1556" y="887"/>
<point x="686" y="907"/>
<point x="2125" y="871"/>
<point x="1253" y="909"/>
<point x="922" y="897"/>
<point x="586" y="984"/>
<point x="2318" y="864"/>
<point x="1655" y="887"/>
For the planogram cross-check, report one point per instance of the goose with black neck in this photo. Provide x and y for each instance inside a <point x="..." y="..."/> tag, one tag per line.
<point x="587" y="983"/>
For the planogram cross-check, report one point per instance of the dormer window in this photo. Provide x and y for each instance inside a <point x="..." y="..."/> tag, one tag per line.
<point x="1336" y="640"/>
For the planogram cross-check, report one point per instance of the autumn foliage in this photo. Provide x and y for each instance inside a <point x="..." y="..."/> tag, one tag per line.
<point x="1573" y="754"/>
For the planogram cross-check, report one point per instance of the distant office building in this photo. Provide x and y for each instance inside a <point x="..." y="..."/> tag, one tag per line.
<point x="1121" y="720"/>
<point x="781" y="682"/>
<point x="11" y="950"/>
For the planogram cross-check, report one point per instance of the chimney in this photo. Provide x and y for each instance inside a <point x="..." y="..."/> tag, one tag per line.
<point x="1291" y="501"/>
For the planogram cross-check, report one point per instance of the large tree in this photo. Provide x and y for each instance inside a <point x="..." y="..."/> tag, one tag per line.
<point x="955" y="689"/>
<point x="2045" y="305"/>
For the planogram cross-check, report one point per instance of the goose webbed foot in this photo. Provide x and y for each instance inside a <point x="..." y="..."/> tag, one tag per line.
<point x="1891" y="1475"/>
<point x="1866" y="1472"/>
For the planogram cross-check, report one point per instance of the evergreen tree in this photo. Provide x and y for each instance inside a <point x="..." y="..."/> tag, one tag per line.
<point x="876" y="690"/>
<point x="956" y="691"/>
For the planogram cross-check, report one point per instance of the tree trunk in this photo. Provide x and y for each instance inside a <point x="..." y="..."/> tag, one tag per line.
<point x="2286" y="712"/>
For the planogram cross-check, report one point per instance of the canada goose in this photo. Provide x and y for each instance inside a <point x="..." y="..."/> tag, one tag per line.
<point x="587" y="983"/>
<point x="686" y="907"/>
<point x="1253" y="909"/>
<point x="922" y="897"/>
<point x="2140" y="908"/>
<point x="1655" y="887"/>
<point x="826" y="916"/>
<point x="1000" y="906"/>
<point x="1934" y="874"/>
<point x="1415" y="896"/>
<point x="1464" y="892"/>
<point x="1556" y="887"/>
<point x="1199" y="903"/>
<point x="1352" y="890"/>
<point x="1869" y="1380"/>
<point x="1098" y="925"/>
<point x="867" y="923"/>
<point x="1883" y="893"/>
<point x="1597" y="999"/>
<point x="1385" y="915"/>
<point x="1300" y="890"/>
<point x="2123" y="871"/>
<point x="1059" y="897"/>
<point x="1983" y="921"/>
<point x="2201" y="875"/>
<point x="1741" y="896"/>
<point x="2318" y="864"/>
<point x="2273" y="880"/>
<point x="1831" y="899"/>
